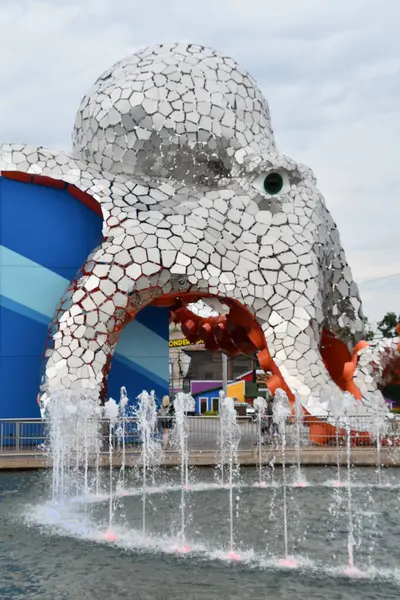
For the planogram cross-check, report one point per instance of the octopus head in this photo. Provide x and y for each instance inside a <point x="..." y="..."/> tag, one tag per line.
<point x="173" y="111"/>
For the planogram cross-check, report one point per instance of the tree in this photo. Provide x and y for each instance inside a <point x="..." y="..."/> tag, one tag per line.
<point x="387" y="326"/>
<point x="369" y="334"/>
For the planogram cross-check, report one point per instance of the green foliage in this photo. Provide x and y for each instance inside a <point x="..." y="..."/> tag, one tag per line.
<point x="210" y="413"/>
<point x="369" y="334"/>
<point x="392" y="391"/>
<point x="387" y="326"/>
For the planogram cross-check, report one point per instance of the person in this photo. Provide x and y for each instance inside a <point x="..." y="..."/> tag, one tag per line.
<point x="165" y="414"/>
<point x="266" y="421"/>
<point x="273" y="426"/>
<point x="270" y="425"/>
<point x="263" y="416"/>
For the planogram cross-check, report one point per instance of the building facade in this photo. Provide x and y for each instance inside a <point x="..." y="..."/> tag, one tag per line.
<point x="192" y="362"/>
<point x="45" y="236"/>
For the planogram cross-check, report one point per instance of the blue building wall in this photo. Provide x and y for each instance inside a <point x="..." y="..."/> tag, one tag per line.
<point x="205" y="401"/>
<point x="45" y="236"/>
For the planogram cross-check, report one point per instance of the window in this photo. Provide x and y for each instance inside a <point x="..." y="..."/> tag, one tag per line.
<point x="203" y="405"/>
<point x="239" y="365"/>
<point x="215" y="404"/>
<point x="203" y="366"/>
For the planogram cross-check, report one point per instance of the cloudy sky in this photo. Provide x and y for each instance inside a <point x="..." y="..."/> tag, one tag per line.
<point x="330" y="70"/>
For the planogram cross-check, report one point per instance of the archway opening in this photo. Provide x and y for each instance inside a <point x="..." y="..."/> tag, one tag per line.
<point x="235" y="332"/>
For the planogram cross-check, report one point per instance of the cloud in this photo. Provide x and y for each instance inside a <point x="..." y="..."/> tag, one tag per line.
<point x="330" y="71"/>
<point x="380" y="296"/>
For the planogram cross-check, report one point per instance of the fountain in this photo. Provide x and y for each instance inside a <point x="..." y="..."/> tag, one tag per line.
<point x="381" y="427"/>
<point x="99" y="412"/>
<point x="229" y="433"/>
<point x="335" y="405"/>
<point x="86" y="457"/>
<point x="73" y="467"/>
<point x="73" y="420"/>
<point x="378" y="451"/>
<point x="221" y="442"/>
<point x="111" y="411"/>
<point x="124" y="400"/>
<point x="298" y="411"/>
<point x="351" y="569"/>
<point x="146" y="415"/>
<point x="260" y="404"/>
<point x="182" y="404"/>
<point x="281" y="411"/>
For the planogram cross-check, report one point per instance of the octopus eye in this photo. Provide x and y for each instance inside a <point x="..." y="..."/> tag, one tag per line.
<point x="272" y="183"/>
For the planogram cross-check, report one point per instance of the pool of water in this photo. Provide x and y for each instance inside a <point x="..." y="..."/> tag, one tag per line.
<point x="59" y="551"/>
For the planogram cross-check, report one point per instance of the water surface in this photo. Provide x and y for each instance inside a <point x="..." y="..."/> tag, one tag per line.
<point x="58" y="552"/>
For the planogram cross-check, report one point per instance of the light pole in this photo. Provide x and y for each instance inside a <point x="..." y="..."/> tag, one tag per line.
<point x="175" y="362"/>
<point x="225" y="373"/>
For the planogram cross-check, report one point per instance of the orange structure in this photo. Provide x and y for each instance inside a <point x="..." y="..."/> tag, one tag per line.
<point x="238" y="332"/>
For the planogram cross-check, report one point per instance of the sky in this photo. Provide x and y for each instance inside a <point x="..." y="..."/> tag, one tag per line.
<point x="330" y="70"/>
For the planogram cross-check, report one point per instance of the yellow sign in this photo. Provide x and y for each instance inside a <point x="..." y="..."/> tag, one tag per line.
<point x="236" y="390"/>
<point x="183" y="342"/>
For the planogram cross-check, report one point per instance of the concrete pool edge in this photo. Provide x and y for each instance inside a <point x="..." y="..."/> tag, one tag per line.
<point x="362" y="457"/>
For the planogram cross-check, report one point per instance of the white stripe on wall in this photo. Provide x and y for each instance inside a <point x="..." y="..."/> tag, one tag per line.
<point x="31" y="285"/>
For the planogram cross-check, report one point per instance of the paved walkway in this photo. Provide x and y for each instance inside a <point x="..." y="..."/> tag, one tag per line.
<point x="37" y="459"/>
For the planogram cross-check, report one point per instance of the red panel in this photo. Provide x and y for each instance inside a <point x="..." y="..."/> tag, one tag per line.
<point x="17" y="176"/>
<point x="86" y="199"/>
<point x="49" y="182"/>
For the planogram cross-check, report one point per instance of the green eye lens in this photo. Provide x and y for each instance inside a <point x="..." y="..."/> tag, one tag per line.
<point x="273" y="183"/>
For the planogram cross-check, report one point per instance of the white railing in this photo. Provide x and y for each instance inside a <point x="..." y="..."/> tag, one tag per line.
<point x="30" y="436"/>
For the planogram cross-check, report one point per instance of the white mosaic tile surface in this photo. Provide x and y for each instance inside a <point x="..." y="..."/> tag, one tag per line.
<point x="176" y="145"/>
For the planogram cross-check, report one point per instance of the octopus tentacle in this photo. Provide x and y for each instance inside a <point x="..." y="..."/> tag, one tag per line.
<point x="87" y="325"/>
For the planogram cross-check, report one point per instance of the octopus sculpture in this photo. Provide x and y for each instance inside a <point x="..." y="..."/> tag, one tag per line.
<point x="174" y="147"/>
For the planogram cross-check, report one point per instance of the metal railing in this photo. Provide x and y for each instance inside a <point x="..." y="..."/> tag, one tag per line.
<point x="18" y="435"/>
<point x="31" y="435"/>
